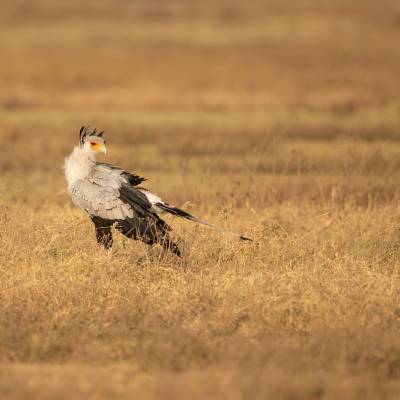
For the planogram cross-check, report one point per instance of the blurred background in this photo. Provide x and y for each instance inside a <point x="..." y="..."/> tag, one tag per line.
<point x="293" y="100"/>
<point x="277" y="119"/>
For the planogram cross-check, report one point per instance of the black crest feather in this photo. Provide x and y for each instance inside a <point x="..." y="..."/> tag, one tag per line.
<point x="84" y="131"/>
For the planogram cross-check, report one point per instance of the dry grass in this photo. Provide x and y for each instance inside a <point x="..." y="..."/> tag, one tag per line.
<point x="278" y="121"/>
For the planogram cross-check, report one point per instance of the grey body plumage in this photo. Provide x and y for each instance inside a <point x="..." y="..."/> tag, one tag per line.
<point x="113" y="197"/>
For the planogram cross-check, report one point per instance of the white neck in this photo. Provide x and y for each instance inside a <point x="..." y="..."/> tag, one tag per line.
<point x="78" y="165"/>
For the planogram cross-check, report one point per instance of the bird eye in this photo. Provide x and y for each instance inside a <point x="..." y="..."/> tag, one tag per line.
<point x="93" y="143"/>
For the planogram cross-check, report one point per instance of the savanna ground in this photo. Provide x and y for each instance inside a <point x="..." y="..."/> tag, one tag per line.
<point x="277" y="119"/>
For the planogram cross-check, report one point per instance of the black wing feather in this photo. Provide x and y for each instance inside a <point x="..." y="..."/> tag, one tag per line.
<point x="133" y="179"/>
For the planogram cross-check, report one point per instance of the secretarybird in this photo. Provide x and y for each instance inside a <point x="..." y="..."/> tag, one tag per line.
<point x="114" y="197"/>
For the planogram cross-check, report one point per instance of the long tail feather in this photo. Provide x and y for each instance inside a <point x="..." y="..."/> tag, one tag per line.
<point x="180" y="213"/>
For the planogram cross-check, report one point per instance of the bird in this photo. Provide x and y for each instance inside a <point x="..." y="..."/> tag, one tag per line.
<point x="114" y="197"/>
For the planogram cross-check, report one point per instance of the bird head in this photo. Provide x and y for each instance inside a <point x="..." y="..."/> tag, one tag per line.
<point x="92" y="142"/>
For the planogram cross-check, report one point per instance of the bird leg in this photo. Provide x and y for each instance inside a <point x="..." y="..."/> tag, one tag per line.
<point x="149" y="251"/>
<point x="103" y="232"/>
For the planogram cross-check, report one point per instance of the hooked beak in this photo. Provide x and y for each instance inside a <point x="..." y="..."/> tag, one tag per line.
<point x="101" y="148"/>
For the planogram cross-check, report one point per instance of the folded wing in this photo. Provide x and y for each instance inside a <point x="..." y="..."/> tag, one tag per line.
<point x="110" y="196"/>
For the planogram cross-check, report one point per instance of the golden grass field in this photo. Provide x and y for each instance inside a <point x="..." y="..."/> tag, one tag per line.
<point x="280" y="120"/>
